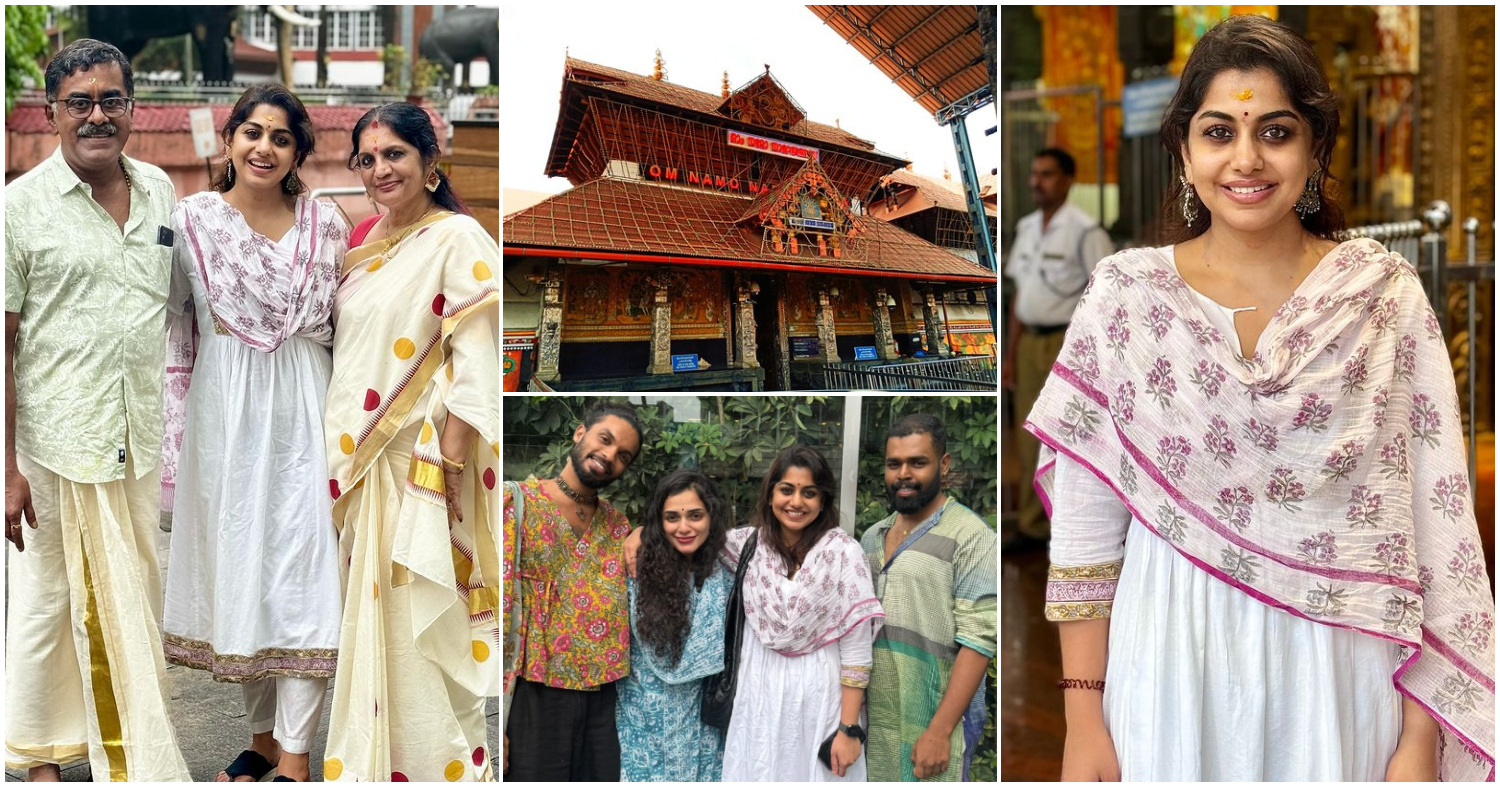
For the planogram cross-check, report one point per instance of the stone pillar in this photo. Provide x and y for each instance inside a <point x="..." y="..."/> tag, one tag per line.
<point x="661" y="331"/>
<point x="549" y="332"/>
<point x="885" y="340"/>
<point x="932" y="321"/>
<point x="745" y="348"/>
<point x="828" y="345"/>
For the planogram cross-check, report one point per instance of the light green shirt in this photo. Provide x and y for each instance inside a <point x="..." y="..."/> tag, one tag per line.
<point x="91" y="348"/>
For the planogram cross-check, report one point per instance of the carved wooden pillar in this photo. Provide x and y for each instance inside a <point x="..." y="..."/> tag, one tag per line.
<point x="932" y="322"/>
<point x="549" y="332"/>
<point x="828" y="344"/>
<point x="661" y="331"/>
<point x="744" y="327"/>
<point x="885" y="340"/>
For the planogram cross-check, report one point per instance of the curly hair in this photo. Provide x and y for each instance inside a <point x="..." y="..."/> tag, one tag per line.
<point x="1248" y="43"/>
<point x="765" y="518"/>
<point x="662" y="596"/>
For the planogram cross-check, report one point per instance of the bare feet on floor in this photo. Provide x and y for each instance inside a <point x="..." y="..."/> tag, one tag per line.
<point x="44" y="773"/>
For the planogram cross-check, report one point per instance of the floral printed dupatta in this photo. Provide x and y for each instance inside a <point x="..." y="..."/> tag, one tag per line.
<point x="832" y="593"/>
<point x="1325" y="477"/>
<point x="260" y="292"/>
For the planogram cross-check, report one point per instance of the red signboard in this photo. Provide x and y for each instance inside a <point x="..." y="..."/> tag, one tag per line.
<point x="740" y="139"/>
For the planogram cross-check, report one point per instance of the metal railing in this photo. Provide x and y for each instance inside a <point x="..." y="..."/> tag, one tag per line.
<point x="966" y="373"/>
<point x="1425" y="245"/>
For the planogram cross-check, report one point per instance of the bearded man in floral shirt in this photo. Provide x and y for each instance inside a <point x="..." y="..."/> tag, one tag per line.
<point x="567" y="615"/>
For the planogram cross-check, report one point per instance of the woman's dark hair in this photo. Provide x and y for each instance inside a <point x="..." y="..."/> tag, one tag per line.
<point x="412" y="125"/>
<point x="298" y="120"/>
<point x="1248" y="43"/>
<point x="765" y="518"/>
<point x="662" y="596"/>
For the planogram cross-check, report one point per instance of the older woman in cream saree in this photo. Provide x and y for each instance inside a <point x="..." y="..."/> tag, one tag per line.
<point x="416" y="320"/>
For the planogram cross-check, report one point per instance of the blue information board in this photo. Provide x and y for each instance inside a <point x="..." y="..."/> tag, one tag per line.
<point x="864" y="353"/>
<point x="685" y="363"/>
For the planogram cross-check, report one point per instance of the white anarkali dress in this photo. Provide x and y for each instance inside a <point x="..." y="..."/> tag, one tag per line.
<point x="1204" y="682"/>
<point x="786" y="706"/>
<point x="253" y="586"/>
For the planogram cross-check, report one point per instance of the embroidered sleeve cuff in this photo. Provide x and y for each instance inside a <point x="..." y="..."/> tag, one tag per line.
<point x="1081" y="592"/>
<point x="854" y="677"/>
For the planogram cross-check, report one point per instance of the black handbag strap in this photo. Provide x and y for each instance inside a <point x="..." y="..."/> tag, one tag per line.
<point x="733" y="634"/>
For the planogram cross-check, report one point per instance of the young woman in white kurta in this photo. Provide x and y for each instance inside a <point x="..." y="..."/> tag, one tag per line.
<point x="253" y="587"/>
<point x="1185" y="650"/>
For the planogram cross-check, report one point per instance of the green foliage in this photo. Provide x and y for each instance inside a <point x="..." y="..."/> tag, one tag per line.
<point x="25" y="42"/>
<point x="973" y="433"/>
<point x="425" y="74"/>
<point x="391" y="58"/>
<point x="734" y="441"/>
<point x="163" y="54"/>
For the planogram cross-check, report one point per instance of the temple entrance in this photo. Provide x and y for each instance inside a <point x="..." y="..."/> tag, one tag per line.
<point x="768" y="350"/>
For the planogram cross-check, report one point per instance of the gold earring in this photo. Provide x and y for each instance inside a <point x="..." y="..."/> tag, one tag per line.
<point x="433" y="181"/>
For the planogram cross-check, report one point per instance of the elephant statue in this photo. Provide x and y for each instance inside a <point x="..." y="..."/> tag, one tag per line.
<point x="132" y="27"/>
<point x="461" y="35"/>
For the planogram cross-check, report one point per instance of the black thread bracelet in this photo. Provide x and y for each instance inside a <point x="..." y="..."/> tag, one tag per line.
<point x="1075" y="683"/>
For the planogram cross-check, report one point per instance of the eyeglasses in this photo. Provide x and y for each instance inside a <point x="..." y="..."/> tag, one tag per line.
<point x="81" y="108"/>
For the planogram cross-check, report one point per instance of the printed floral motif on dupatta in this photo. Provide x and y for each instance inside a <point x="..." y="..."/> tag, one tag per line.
<point x="1325" y="476"/>
<point x="259" y="292"/>
<point x="831" y="594"/>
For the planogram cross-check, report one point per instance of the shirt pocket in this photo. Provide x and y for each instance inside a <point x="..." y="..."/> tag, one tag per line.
<point x="1061" y="272"/>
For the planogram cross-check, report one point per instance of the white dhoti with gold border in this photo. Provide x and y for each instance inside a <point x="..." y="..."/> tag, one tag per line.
<point x="84" y="675"/>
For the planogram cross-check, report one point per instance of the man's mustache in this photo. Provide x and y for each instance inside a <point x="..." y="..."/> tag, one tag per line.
<point x="105" y="129"/>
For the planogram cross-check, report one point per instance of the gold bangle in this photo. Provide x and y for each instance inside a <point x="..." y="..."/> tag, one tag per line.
<point x="450" y="466"/>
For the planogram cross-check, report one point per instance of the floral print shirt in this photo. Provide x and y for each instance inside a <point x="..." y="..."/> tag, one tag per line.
<point x="577" y="628"/>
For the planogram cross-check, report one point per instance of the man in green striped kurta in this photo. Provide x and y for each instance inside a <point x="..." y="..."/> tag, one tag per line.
<point x="934" y="567"/>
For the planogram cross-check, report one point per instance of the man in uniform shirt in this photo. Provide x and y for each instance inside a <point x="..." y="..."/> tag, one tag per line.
<point x="1054" y="253"/>
<point x="86" y="282"/>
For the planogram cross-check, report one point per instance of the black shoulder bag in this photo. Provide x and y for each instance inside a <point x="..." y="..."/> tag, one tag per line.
<point x="718" y="690"/>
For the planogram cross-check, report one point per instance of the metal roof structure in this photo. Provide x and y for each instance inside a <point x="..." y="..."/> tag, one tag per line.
<point x="935" y="53"/>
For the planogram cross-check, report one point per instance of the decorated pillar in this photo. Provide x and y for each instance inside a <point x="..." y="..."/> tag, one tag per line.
<point x="885" y="340"/>
<point x="745" y="348"/>
<point x="549" y="332"/>
<point x="661" y="331"/>
<point x="828" y="344"/>
<point x="932" y="322"/>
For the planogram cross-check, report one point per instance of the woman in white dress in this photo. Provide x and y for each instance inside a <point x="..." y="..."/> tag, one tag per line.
<point x="1264" y="557"/>
<point x="810" y="617"/>
<point x="253" y="585"/>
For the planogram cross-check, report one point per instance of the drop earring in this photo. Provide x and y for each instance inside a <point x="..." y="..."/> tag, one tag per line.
<point x="1311" y="201"/>
<point x="1189" y="203"/>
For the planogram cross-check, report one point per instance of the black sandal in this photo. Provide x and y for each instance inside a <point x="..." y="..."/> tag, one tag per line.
<point x="249" y="763"/>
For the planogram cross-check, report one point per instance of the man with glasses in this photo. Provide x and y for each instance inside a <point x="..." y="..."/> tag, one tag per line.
<point x="87" y="274"/>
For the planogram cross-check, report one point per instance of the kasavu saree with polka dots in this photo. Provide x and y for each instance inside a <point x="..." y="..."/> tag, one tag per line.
<point x="416" y="339"/>
<point x="1324" y="476"/>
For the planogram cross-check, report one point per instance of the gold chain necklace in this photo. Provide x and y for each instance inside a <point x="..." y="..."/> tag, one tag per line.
<point x="400" y="234"/>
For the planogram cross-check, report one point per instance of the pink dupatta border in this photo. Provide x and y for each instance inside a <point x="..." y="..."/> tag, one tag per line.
<point x="1416" y="645"/>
